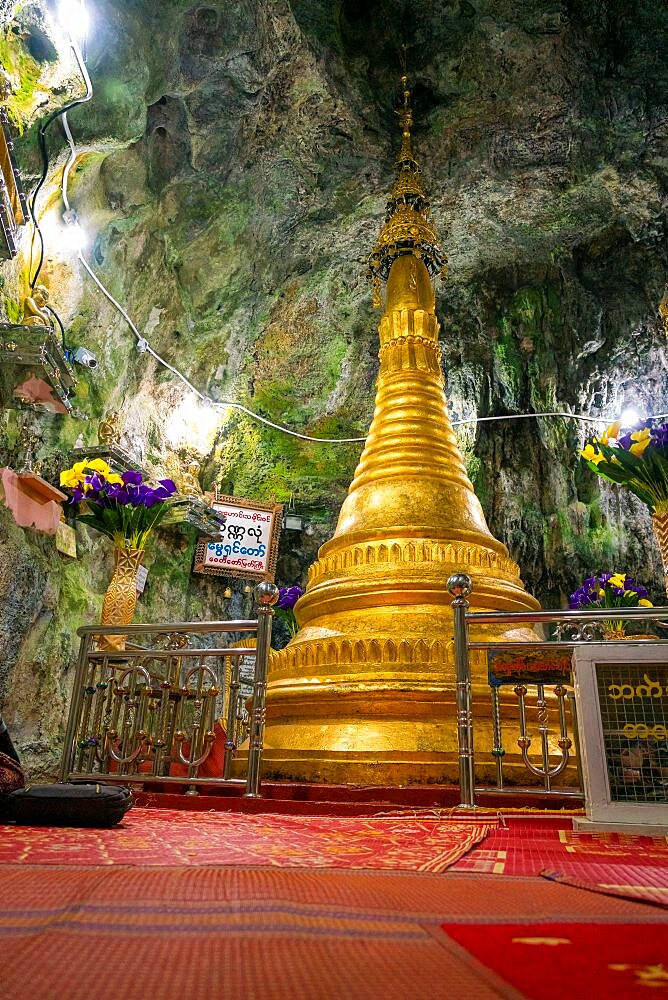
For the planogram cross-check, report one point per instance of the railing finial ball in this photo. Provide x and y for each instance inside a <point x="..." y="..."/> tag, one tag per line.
<point x="266" y="593"/>
<point x="460" y="585"/>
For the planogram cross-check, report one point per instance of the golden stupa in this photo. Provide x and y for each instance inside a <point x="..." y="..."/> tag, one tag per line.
<point x="365" y="691"/>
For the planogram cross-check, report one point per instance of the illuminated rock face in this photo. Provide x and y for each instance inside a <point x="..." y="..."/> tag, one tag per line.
<point x="364" y="692"/>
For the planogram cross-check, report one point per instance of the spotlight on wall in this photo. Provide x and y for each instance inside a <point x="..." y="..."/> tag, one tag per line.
<point x="72" y="237"/>
<point x="192" y="424"/>
<point x="73" y="18"/>
<point x="293" y="522"/>
<point x="629" y="417"/>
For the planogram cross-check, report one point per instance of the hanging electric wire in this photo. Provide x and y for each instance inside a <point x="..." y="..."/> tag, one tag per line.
<point x="32" y="201"/>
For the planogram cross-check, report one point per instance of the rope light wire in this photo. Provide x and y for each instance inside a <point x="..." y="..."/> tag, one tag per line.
<point x="144" y="346"/>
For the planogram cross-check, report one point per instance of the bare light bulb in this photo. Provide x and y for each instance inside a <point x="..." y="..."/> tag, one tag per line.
<point x="629" y="417"/>
<point x="73" y="238"/>
<point x="73" y="18"/>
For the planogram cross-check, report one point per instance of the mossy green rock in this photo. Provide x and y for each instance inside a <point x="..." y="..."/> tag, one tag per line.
<point x="235" y="161"/>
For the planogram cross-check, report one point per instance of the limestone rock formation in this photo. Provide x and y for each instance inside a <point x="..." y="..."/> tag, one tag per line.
<point x="232" y="173"/>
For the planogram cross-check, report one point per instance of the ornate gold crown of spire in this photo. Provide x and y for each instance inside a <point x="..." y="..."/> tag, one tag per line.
<point x="407" y="228"/>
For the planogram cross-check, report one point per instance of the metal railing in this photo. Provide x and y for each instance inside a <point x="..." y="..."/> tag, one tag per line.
<point x="138" y="714"/>
<point x="583" y="626"/>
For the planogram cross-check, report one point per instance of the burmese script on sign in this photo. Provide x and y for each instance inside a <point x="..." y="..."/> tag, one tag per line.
<point x="245" y="539"/>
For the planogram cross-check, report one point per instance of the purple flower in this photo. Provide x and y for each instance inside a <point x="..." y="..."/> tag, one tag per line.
<point x="77" y="495"/>
<point x="148" y="497"/>
<point x="288" y="597"/>
<point x="130" y="476"/>
<point x="660" y="435"/>
<point x="117" y="493"/>
<point x="97" y="481"/>
<point x="169" y="485"/>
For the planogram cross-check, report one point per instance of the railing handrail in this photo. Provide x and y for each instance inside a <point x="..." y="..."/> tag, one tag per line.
<point x="604" y="614"/>
<point x="460" y="586"/>
<point x="243" y="625"/>
<point x="565" y="644"/>
<point x="136" y="654"/>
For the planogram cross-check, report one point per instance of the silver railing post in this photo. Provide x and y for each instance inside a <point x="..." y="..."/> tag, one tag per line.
<point x="266" y="595"/>
<point x="75" y="708"/>
<point x="460" y="586"/>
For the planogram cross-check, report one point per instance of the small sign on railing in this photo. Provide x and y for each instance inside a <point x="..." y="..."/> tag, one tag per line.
<point x="536" y="666"/>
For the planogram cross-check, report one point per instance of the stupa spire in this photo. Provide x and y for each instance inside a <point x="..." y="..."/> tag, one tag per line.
<point x="408" y="228"/>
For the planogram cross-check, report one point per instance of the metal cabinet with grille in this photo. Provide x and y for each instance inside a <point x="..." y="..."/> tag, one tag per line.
<point x="621" y="691"/>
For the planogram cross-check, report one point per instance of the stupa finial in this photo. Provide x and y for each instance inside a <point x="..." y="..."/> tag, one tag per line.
<point x="407" y="228"/>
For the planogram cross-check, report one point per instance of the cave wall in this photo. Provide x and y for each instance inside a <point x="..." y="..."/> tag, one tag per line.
<point x="232" y="174"/>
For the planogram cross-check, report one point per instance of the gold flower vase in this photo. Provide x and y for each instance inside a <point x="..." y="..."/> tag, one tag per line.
<point x="120" y="600"/>
<point x="660" y="525"/>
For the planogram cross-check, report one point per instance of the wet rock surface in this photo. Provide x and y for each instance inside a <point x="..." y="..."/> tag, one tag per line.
<point x="232" y="174"/>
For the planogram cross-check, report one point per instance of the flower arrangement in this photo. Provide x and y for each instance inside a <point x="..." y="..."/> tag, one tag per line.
<point x="610" y="590"/>
<point x="284" y="607"/>
<point x="124" y="507"/>
<point x="637" y="460"/>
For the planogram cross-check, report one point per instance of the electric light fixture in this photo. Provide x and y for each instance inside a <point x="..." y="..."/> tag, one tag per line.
<point x="192" y="424"/>
<point x="630" y="417"/>
<point x="72" y="237"/>
<point x="73" y="18"/>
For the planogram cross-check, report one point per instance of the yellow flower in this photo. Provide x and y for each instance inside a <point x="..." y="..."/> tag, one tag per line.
<point x="592" y="455"/>
<point x="113" y="478"/>
<point x="98" y="465"/>
<point x="645" y="604"/>
<point x="72" y="477"/>
<point x="611" y="432"/>
<point x="642" y="439"/>
<point x="617" y="580"/>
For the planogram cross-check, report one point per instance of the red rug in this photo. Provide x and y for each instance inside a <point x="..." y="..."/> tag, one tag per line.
<point x="173" y="837"/>
<point x="548" y="961"/>
<point x="635" y="867"/>
<point x="272" y="933"/>
<point x="644" y="883"/>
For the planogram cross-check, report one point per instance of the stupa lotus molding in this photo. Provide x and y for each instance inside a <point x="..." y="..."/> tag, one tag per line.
<point x="342" y="653"/>
<point x="466" y="555"/>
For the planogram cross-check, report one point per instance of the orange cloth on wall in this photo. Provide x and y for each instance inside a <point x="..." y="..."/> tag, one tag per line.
<point x="27" y="512"/>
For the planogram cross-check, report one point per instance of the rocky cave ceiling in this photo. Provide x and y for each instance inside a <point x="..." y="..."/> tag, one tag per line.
<point x="232" y="173"/>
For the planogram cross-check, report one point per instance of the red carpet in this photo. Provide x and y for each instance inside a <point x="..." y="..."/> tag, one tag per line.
<point x="548" y="961"/>
<point x="173" y="838"/>
<point x="645" y="883"/>
<point x="635" y="867"/>
<point x="120" y="933"/>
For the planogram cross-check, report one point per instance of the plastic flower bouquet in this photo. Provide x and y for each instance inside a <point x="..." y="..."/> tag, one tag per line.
<point x="284" y="607"/>
<point x="637" y="460"/>
<point x="124" y="507"/>
<point x="610" y="590"/>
